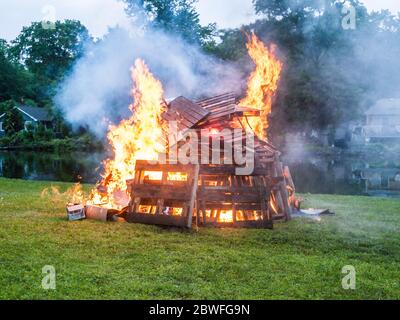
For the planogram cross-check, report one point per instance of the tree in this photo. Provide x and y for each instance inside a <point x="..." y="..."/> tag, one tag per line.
<point x="3" y="47"/>
<point x="15" y="82"/>
<point x="13" y="121"/>
<point x="173" y="16"/>
<point x="232" y="45"/>
<point x="49" y="52"/>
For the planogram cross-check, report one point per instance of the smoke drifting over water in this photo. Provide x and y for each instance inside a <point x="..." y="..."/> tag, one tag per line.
<point x="99" y="86"/>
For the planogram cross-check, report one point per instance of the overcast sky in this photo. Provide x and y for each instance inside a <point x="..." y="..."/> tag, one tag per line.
<point x="98" y="15"/>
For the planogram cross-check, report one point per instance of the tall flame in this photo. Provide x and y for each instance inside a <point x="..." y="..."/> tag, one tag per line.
<point x="262" y="83"/>
<point x="141" y="137"/>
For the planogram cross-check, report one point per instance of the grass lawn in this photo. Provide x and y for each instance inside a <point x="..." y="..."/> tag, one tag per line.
<point x="301" y="259"/>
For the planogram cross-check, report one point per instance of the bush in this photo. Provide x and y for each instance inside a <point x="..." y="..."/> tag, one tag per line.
<point x="40" y="138"/>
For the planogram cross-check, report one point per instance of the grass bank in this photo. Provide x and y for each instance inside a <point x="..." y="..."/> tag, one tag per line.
<point x="301" y="259"/>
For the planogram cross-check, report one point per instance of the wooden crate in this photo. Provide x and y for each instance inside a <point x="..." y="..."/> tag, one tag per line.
<point x="158" y="200"/>
<point x="243" y="199"/>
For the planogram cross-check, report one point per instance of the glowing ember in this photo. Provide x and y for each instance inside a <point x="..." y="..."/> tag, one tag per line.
<point x="141" y="137"/>
<point x="177" y="176"/>
<point x="226" y="216"/>
<point x="262" y="84"/>
<point x="214" y="131"/>
<point x="153" y="175"/>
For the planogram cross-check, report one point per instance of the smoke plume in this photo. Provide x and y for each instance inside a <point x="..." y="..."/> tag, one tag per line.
<point x="99" y="87"/>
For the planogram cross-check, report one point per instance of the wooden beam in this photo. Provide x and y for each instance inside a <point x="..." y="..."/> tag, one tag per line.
<point x="193" y="196"/>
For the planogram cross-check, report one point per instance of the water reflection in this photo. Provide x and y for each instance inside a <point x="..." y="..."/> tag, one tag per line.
<point x="48" y="166"/>
<point x="345" y="175"/>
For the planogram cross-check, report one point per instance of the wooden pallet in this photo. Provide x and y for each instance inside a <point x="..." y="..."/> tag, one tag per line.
<point x="154" y="201"/>
<point x="220" y="192"/>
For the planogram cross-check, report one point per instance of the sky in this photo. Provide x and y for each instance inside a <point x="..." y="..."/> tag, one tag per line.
<point x="99" y="15"/>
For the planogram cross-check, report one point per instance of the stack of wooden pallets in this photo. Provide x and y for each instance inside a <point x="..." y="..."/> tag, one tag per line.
<point x="213" y="194"/>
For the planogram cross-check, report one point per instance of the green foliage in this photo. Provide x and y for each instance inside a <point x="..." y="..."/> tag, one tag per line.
<point x="49" y="52"/>
<point x="7" y="105"/>
<point x="15" y="82"/>
<point x="13" y="122"/>
<point x="232" y="45"/>
<point x="39" y="138"/>
<point x="3" y="47"/>
<point x="175" y="16"/>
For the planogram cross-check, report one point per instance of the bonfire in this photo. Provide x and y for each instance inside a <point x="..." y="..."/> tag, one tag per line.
<point x="145" y="136"/>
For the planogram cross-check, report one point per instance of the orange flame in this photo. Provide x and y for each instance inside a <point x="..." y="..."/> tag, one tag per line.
<point x="177" y="176"/>
<point x="141" y="137"/>
<point x="262" y="83"/>
<point x="226" y="216"/>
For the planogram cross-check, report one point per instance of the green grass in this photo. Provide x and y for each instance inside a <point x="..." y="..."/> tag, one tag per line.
<point x="301" y="259"/>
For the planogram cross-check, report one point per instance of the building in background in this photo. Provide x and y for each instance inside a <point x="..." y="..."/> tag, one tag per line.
<point x="383" y="121"/>
<point x="32" y="117"/>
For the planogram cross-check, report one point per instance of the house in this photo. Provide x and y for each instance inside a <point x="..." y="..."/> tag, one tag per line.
<point x="383" y="121"/>
<point x="31" y="116"/>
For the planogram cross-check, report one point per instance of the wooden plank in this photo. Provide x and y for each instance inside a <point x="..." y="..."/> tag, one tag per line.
<point x="221" y="105"/>
<point x="188" y="117"/>
<point x="144" y="165"/>
<point x="185" y="111"/>
<point x="242" y="224"/>
<point x="170" y="116"/>
<point x="162" y="193"/>
<point x="193" y="196"/>
<point x="284" y="192"/>
<point x="289" y="179"/>
<point x="221" y="97"/>
<point x="230" y="170"/>
<point x="230" y="109"/>
<point x="156" y="219"/>
<point x="218" y="97"/>
<point x="199" y="112"/>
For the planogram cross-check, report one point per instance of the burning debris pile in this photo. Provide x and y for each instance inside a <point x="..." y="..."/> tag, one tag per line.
<point x="207" y="161"/>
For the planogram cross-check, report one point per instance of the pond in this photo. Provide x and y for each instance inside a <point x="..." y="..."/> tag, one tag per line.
<point x="345" y="176"/>
<point x="323" y="175"/>
<point x="69" y="167"/>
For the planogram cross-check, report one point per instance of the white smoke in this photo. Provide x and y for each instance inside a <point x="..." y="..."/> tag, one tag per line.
<point x="99" y="86"/>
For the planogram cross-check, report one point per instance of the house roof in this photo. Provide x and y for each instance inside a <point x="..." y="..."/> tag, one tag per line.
<point x="35" y="113"/>
<point x="38" y="114"/>
<point x="385" y="107"/>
